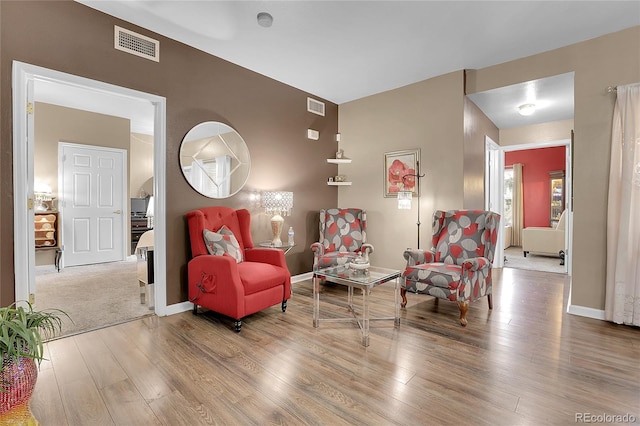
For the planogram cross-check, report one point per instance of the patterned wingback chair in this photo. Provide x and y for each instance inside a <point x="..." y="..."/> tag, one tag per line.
<point x="458" y="266"/>
<point x="343" y="235"/>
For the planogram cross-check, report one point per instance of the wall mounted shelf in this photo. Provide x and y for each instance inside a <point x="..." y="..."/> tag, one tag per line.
<point x="339" y="183"/>
<point x="339" y="160"/>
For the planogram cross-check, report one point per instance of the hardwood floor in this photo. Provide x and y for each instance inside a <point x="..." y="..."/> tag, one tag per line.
<point x="526" y="362"/>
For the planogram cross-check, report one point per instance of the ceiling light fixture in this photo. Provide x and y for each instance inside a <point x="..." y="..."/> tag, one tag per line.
<point x="527" y="109"/>
<point x="265" y="19"/>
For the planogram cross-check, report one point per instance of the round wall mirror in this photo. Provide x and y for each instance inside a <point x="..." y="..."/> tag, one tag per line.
<point x="215" y="159"/>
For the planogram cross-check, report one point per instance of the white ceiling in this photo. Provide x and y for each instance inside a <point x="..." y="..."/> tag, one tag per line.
<point x="346" y="50"/>
<point x="552" y="96"/>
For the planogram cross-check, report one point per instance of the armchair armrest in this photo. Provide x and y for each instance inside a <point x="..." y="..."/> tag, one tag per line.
<point x="266" y="255"/>
<point x="318" y="249"/>
<point x="475" y="264"/>
<point x="418" y="256"/>
<point x="366" y="248"/>
<point x="216" y="275"/>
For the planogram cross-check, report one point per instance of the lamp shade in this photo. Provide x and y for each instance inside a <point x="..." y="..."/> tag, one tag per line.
<point x="404" y="200"/>
<point x="280" y="202"/>
<point x="41" y="188"/>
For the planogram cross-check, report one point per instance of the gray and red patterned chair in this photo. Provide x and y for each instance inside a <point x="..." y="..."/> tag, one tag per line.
<point x="343" y="236"/>
<point x="458" y="266"/>
<point x="227" y="274"/>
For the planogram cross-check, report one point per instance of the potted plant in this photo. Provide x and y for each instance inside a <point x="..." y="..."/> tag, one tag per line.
<point x="22" y="331"/>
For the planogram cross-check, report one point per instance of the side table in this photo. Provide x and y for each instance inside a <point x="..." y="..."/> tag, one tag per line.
<point x="284" y="247"/>
<point x="366" y="281"/>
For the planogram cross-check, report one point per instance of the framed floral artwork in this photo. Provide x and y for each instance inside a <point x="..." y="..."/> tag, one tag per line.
<point x="400" y="171"/>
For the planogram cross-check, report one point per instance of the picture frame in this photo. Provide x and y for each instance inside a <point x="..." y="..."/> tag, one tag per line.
<point x="400" y="172"/>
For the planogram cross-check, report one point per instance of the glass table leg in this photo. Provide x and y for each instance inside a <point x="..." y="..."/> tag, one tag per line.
<point x="316" y="301"/>
<point x="366" y="292"/>
<point x="396" y="292"/>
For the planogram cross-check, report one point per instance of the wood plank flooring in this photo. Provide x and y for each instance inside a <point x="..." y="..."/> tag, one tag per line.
<point x="525" y="362"/>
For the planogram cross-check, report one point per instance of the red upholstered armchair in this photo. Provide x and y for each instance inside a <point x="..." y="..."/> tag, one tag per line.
<point x="238" y="279"/>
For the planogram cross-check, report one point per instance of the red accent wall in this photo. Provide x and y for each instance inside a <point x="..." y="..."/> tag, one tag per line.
<point x="537" y="163"/>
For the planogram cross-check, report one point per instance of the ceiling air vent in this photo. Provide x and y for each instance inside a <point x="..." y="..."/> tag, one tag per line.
<point x="315" y="107"/>
<point x="136" y="44"/>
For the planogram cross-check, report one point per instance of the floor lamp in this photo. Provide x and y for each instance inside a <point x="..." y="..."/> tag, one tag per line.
<point x="404" y="197"/>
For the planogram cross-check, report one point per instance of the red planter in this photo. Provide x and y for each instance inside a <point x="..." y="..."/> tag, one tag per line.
<point x="17" y="381"/>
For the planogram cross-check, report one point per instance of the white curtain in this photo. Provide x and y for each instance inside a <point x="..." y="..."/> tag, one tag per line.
<point x="517" y="206"/>
<point x="622" y="305"/>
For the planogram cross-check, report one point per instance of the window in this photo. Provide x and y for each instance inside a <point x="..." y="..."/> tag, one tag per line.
<point x="508" y="197"/>
<point x="212" y="176"/>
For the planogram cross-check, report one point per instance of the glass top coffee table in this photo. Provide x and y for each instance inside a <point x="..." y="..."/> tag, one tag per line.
<point x="364" y="280"/>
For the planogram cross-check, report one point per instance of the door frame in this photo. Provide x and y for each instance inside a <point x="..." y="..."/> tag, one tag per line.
<point x="23" y="75"/>
<point x="499" y="168"/>
<point x="123" y="191"/>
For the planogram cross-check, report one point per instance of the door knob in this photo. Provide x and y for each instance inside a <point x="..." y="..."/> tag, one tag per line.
<point x="118" y="212"/>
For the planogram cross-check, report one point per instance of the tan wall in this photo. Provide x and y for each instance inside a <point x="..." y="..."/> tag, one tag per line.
<point x="476" y="127"/>
<point x="69" y="37"/>
<point x="536" y="133"/>
<point x="141" y="165"/>
<point x="404" y="118"/>
<point x="426" y="115"/>
<point x="608" y="60"/>
<point x="54" y="124"/>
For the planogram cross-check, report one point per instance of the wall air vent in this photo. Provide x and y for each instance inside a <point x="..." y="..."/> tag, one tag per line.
<point x="136" y="44"/>
<point x="315" y="107"/>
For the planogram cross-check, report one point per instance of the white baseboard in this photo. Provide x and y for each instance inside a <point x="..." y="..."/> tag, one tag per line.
<point x="178" y="308"/>
<point x="585" y="312"/>
<point x="301" y="277"/>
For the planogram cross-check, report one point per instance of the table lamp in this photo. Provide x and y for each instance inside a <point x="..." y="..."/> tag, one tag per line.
<point x="42" y="194"/>
<point x="279" y="203"/>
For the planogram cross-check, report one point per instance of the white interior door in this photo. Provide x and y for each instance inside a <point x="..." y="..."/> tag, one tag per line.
<point x="92" y="188"/>
<point x="494" y="192"/>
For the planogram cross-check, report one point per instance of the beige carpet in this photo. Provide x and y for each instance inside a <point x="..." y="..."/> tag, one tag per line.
<point x="515" y="259"/>
<point x="94" y="296"/>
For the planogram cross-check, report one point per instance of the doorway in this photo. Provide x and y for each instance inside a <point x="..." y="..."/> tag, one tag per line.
<point x="24" y="77"/>
<point x="497" y="168"/>
<point x="546" y="121"/>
